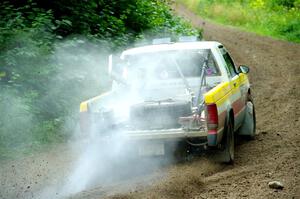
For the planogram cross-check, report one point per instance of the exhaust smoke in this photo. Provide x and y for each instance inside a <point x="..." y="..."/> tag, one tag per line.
<point x="148" y="87"/>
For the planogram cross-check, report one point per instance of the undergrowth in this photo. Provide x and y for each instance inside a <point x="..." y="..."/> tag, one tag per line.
<point x="53" y="56"/>
<point x="275" y="18"/>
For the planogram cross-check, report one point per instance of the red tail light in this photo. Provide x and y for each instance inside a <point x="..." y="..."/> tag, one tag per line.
<point x="212" y="116"/>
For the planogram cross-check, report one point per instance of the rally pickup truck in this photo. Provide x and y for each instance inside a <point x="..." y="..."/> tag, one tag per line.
<point x="174" y="92"/>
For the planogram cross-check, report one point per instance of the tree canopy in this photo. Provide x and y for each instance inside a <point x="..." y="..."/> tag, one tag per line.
<point x="52" y="56"/>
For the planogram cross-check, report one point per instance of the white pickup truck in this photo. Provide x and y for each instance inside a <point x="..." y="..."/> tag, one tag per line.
<point x="174" y="92"/>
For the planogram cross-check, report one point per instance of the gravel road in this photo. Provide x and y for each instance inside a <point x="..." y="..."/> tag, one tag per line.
<point x="273" y="155"/>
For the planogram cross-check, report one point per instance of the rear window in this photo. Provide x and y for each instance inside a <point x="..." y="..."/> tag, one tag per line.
<point x="167" y="64"/>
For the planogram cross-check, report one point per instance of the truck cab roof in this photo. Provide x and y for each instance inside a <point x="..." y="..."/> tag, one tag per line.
<point x="171" y="46"/>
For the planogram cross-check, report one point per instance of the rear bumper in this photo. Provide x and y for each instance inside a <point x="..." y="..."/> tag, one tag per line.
<point x="169" y="134"/>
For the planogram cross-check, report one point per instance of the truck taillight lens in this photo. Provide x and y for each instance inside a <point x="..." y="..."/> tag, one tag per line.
<point x="212" y="116"/>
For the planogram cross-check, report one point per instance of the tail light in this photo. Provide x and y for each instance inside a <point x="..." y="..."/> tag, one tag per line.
<point x="212" y="116"/>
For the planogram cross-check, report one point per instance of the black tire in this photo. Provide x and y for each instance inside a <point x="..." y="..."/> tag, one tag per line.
<point x="227" y="154"/>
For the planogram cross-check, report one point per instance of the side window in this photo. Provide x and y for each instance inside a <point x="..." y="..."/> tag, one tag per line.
<point x="213" y="69"/>
<point x="230" y="64"/>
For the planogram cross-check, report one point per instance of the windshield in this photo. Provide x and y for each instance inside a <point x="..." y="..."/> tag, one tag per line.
<point x="167" y="74"/>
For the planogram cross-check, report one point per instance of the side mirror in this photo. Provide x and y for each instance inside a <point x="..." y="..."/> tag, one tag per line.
<point x="244" y="69"/>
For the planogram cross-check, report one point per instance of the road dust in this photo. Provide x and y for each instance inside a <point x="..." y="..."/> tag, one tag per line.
<point x="97" y="160"/>
<point x="15" y="117"/>
<point x="93" y="159"/>
<point x="106" y="155"/>
<point x="101" y="162"/>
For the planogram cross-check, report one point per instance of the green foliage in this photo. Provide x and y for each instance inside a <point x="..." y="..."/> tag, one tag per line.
<point x="53" y="56"/>
<point x="285" y="3"/>
<point x="15" y="123"/>
<point x="277" y="18"/>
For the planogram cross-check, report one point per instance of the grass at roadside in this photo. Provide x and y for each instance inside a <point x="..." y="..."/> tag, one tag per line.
<point x="265" y="17"/>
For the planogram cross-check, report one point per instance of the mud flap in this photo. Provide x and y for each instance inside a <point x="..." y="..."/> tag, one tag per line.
<point x="248" y="126"/>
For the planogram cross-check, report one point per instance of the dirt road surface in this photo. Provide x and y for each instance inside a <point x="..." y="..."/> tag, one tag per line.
<point x="273" y="155"/>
